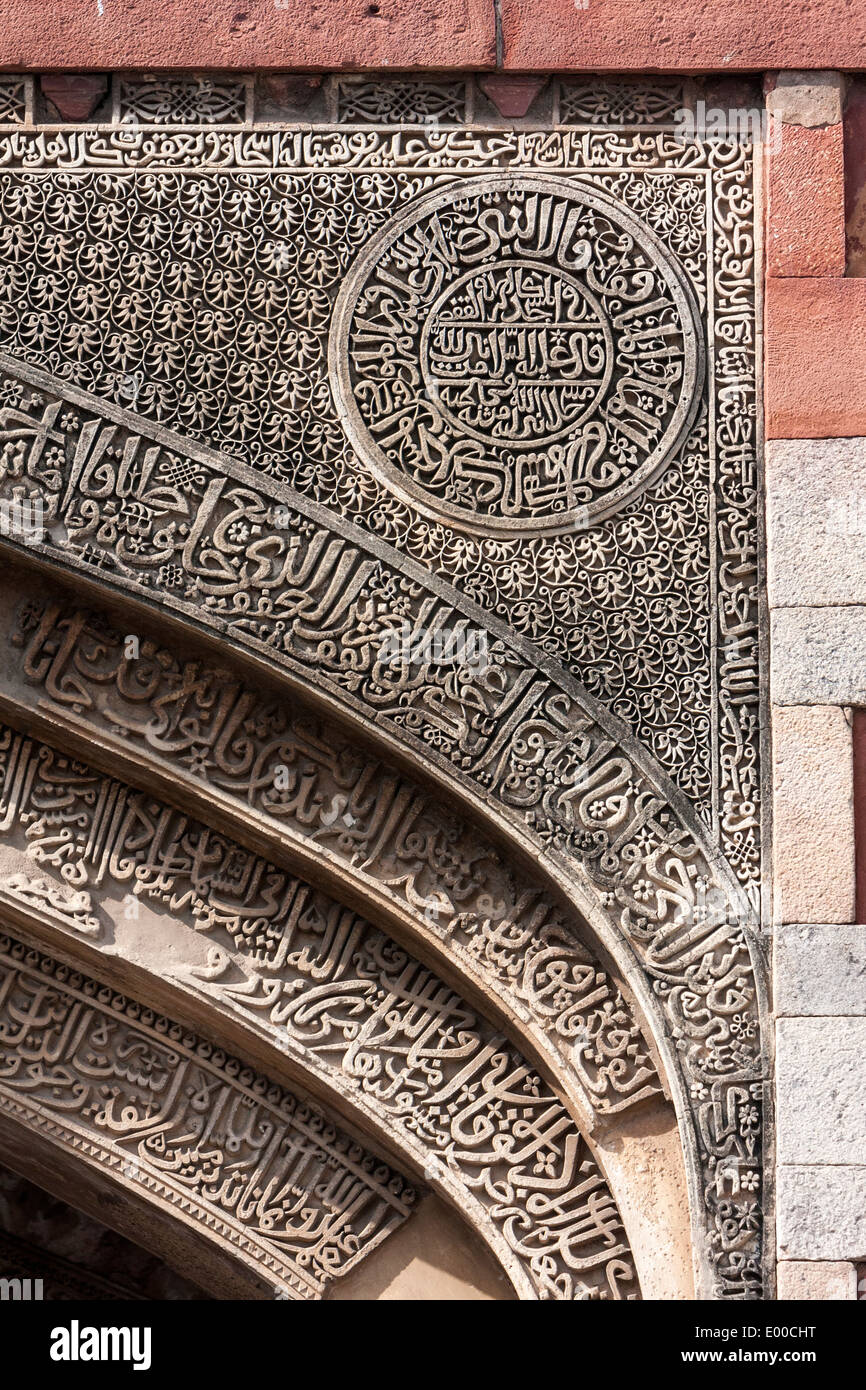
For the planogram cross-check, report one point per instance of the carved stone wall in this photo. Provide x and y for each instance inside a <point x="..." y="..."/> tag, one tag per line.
<point x="339" y="998"/>
<point x="301" y="781"/>
<point x="124" y="1088"/>
<point x="353" y="394"/>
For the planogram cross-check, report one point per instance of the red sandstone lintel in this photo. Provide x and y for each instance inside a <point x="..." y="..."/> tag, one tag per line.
<point x="682" y="35"/>
<point x="806" y="203"/>
<point x="815" y="356"/>
<point x="101" y="35"/>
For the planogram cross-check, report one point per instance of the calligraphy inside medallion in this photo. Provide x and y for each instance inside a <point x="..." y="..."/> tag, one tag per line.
<point x="516" y="352"/>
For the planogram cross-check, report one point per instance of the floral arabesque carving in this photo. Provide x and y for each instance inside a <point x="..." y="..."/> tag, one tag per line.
<point x="200" y="244"/>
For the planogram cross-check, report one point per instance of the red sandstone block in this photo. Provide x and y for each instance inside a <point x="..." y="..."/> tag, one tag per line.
<point x="511" y="95"/>
<point x="690" y="35"/>
<point x="806" y="201"/>
<point x="815" y="358"/>
<point x="74" y="95"/>
<point x="63" y="35"/>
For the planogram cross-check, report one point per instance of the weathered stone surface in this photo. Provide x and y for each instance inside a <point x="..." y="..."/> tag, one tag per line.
<point x="259" y="34"/>
<point x="820" y="1085"/>
<point x="642" y="1162"/>
<point x="590" y="34"/>
<point x="289" y="90"/>
<point x="806" y="205"/>
<point x="816" y="521"/>
<point x="818" y="655"/>
<point x="819" y="970"/>
<point x="331" y="957"/>
<point x="813" y="841"/>
<point x="326" y="554"/>
<point x="821" y="1212"/>
<point x="815" y="363"/>
<point x="817" y="1280"/>
<point x="698" y="36"/>
<point x="256" y="1136"/>
<point x="75" y="95"/>
<point x="854" y="127"/>
<point x="512" y="96"/>
<point x="806" y="98"/>
<point x="858" y="741"/>
<point x="434" y="1255"/>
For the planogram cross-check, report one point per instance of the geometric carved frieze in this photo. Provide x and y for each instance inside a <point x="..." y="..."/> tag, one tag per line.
<point x="199" y="535"/>
<point x="197" y="1133"/>
<point x="180" y="101"/>
<point x="286" y="771"/>
<point x="13" y="100"/>
<point x="346" y="1004"/>
<point x="399" y="369"/>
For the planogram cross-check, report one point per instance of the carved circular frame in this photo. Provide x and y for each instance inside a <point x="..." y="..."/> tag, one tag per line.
<point x="413" y="493"/>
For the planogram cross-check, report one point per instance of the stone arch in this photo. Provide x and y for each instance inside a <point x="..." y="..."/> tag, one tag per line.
<point x="308" y="988"/>
<point x="494" y="929"/>
<point x="344" y="817"/>
<point x="101" y="1096"/>
<point x="568" y="783"/>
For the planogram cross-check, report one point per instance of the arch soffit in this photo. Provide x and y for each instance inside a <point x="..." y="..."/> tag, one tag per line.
<point x="101" y="1094"/>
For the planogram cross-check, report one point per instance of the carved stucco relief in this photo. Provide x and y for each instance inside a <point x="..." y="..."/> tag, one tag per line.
<point x="286" y="580"/>
<point x="300" y="781"/>
<point x="264" y="1174"/>
<point x="341" y="1000"/>
<point x="525" y="360"/>
<point x="201" y="288"/>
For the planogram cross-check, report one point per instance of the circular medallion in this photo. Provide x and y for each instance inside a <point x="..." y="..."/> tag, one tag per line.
<point x="516" y="353"/>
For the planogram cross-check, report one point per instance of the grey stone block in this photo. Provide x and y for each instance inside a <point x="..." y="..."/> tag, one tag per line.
<point x="819" y="970"/>
<point x="817" y="1280"/>
<point x="813" y="808"/>
<point x="821" y="1212"/>
<point x="816" y="521"/>
<point x="818" y="656"/>
<point x="820" y="1086"/>
<point x="807" y="98"/>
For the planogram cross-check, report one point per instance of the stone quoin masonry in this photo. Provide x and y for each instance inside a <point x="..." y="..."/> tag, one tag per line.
<point x="433" y="631"/>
